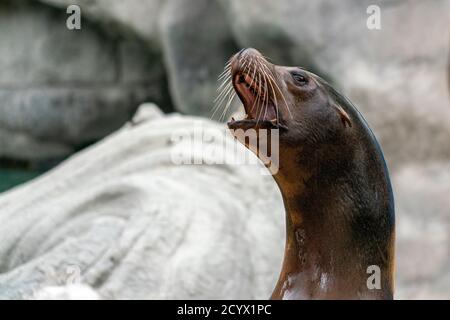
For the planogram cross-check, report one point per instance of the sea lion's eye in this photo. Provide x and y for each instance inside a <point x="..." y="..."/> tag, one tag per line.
<point x="299" y="79"/>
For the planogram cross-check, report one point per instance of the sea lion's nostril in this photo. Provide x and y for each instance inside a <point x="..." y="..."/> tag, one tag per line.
<point x="241" y="79"/>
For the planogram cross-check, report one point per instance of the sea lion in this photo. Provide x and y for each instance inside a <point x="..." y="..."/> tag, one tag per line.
<point x="333" y="180"/>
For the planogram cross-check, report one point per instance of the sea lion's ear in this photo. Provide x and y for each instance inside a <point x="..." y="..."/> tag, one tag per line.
<point x="345" y="118"/>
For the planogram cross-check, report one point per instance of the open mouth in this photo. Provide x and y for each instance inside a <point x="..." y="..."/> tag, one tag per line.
<point x="259" y="105"/>
<point x="254" y="80"/>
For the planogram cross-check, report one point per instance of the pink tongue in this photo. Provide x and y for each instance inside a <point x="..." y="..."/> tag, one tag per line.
<point x="267" y="113"/>
<point x="270" y="113"/>
<point x="263" y="112"/>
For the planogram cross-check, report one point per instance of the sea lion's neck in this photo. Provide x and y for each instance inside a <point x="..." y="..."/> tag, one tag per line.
<point x="334" y="233"/>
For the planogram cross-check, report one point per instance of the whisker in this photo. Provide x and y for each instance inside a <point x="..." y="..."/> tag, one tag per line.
<point x="223" y="95"/>
<point x="261" y="77"/>
<point x="263" y="98"/>
<point x="227" y="106"/>
<point x="258" y="115"/>
<point x="281" y="93"/>
<point x="258" y="95"/>
<point x="226" y="72"/>
<point x="267" y="95"/>
<point x="263" y="87"/>
<point x="224" y="89"/>
<point x="275" y="100"/>
<point x="254" y="72"/>
<point x="247" y="67"/>
<point x="226" y="81"/>
<point x="244" y="65"/>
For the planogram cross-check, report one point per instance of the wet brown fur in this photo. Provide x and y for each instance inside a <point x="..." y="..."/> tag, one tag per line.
<point x="336" y="191"/>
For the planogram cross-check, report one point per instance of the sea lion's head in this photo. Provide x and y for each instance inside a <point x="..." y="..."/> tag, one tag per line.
<point x="291" y="99"/>
<point x="307" y="111"/>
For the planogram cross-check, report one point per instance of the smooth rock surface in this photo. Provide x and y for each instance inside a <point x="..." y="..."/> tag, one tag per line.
<point x="197" y="42"/>
<point x="62" y="89"/>
<point x="128" y="222"/>
<point x="423" y="231"/>
<point x="133" y="17"/>
<point x="123" y="219"/>
<point x="397" y="75"/>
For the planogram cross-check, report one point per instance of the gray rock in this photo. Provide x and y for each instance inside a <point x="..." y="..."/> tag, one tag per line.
<point x="117" y="213"/>
<point x="423" y="229"/>
<point x="182" y="28"/>
<point x="122" y="218"/>
<point x="396" y="75"/>
<point x="67" y="115"/>
<point x="69" y="292"/>
<point x="62" y="89"/>
<point x="196" y="42"/>
<point x="138" y="64"/>
<point x="132" y="17"/>
<point x="38" y="49"/>
<point x="18" y="145"/>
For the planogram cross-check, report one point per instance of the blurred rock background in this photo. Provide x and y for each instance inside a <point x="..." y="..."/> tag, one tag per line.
<point x="62" y="90"/>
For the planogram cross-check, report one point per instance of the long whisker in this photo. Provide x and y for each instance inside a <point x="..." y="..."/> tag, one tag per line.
<point x="224" y="74"/>
<point x="264" y="96"/>
<point x="281" y="93"/>
<point x="224" y="90"/>
<point x="248" y="66"/>
<point x="228" y="90"/>
<point x="226" y="68"/>
<point x="266" y="88"/>
<point x="263" y="93"/>
<point x="225" y="82"/>
<point x="257" y="81"/>
<point x="254" y="72"/>
<point x="245" y="64"/>
<point x="275" y="100"/>
<point x="227" y="106"/>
